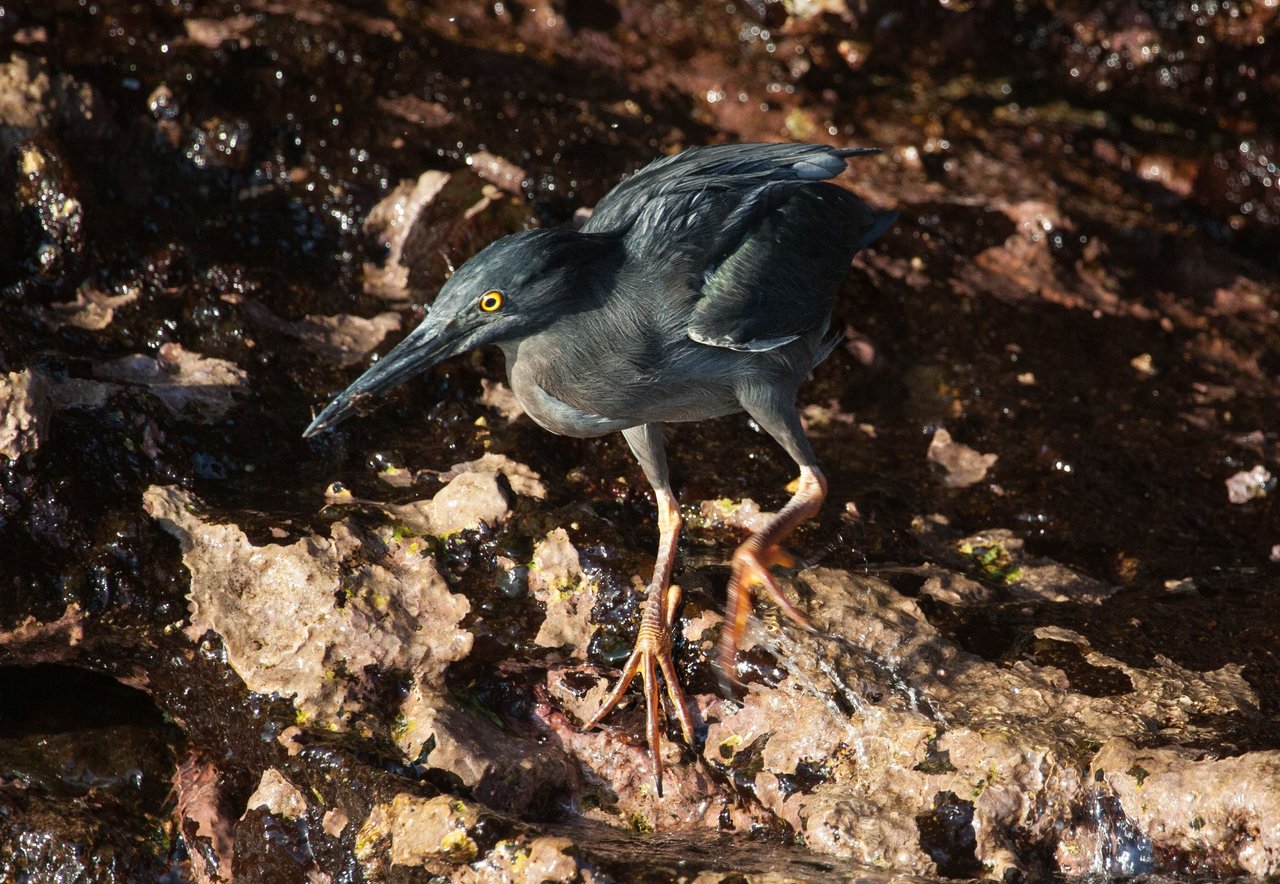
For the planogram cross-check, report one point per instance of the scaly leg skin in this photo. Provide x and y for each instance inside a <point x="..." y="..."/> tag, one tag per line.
<point x="653" y="645"/>
<point x="652" y="651"/>
<point x="751" y="565"/>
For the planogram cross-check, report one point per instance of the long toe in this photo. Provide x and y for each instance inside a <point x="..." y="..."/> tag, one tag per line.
<point x="651" y="655"/>
<point x="751" y="571"/>
<point x="776" y="555"/>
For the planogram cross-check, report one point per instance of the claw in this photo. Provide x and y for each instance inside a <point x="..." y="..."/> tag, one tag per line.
<point x="776" y="555"/>
<point x="652" y="653"/>
<point x="751" y="565"/>
<point x="750" y="570"/>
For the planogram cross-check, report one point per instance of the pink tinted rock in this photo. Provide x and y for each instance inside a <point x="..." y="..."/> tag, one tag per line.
<point x="962" y="466"/>
<point x="24" y="412"/>
<point x="276" y="608"/>
<point x="199" y="387"/>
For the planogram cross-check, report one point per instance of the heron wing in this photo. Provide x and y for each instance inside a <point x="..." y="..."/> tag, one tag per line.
<point x="712" y="172"/>
<point x="751" y="229"/>
<point x="780" y="278"/>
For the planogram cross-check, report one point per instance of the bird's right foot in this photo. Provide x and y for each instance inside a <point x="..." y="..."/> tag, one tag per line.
<point x="652" y="653"/>
<point x="751" y="564"/>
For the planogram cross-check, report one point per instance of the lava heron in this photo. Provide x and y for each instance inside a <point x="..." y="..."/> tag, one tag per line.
<point x="701" y="286"/>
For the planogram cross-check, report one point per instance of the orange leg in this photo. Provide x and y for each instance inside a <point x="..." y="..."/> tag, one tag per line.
<point x="653" y="643"/>
<point x="751" y="565"/>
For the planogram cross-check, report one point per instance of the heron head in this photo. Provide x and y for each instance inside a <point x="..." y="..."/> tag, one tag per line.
<point x="510" y="289"/>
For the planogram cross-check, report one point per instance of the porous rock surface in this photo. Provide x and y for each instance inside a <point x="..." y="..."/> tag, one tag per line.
<point x="24" y="412"/>
<point x="1019" y="745"/>
<point x="308" y="619"/>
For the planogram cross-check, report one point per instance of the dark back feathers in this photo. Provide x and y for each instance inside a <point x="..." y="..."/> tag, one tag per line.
<point x="753" y="228"/>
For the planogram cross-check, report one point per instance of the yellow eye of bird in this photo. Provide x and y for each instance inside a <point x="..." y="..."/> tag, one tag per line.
<point x="491" y="302"/>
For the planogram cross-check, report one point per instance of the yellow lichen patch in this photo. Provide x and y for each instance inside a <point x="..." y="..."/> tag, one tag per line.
<point x="458" y="845"/>
<point x="375" y="831"/>
<point x="400" y="726"/>
<point x="401" y="533"/>
<point x="513" y="854"/>
<point x="725" y="505"/>
<point x="729" y="746"/>
<point x="640" y="824"/>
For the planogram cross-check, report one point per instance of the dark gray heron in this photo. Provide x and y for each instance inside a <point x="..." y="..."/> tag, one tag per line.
<point x="701" y="286"/>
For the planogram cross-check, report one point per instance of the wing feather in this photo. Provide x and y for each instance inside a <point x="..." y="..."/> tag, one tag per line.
<point x="759" y="238"/>
<point x="715" y="169"/>
<point x="780" y="280"/>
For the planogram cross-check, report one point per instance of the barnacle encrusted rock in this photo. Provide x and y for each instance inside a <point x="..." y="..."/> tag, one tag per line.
<point x="445" y="836"/>
<point x="961" y="465"/>
<point x="277" y="795"/>
<point x="1224" y="810"/>
<point x="342" y="338"/>
<point x="500" y="768"/>
<point x="438" y="833"/>
<point x="523" y="479"/>
<point x="477" y="491"/>
<point x="556" y="579"/>
<point x="391" y="221"/>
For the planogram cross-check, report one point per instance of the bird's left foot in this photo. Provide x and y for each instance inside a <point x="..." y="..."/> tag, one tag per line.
<point x="651" y="654"/>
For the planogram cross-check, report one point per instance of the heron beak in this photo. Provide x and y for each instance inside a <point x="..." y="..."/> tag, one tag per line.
<point x="431" y="342"/>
